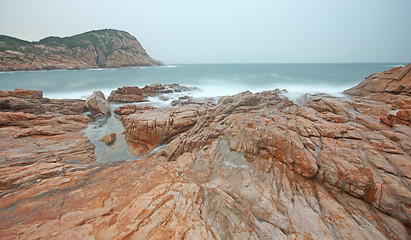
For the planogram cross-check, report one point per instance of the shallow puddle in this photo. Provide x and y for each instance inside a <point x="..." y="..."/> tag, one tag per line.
<point x="98" y="128"/>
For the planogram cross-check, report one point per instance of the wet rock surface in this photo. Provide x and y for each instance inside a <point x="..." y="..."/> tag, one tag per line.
<point x="252" y="166"/>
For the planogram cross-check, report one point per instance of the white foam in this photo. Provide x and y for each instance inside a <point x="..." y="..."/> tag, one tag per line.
<point x="293" y="91"/>
<point x="296" y="91"/>
<point x="75" y="95"/>
<point x="97" y="69"/>
<point x="164" y="100"/>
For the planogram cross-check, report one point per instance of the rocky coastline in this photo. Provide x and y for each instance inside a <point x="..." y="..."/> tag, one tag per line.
<point x="107" y="48"/>
<point x="248" y="166"/>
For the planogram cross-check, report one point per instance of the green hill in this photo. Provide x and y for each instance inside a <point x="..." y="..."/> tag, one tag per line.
<point x="106" y="48"/>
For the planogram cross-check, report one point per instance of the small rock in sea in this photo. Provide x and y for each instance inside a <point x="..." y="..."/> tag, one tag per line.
<point x="108" y="139"/>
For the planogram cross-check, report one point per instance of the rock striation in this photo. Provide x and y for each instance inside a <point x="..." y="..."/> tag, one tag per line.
<point x="251" y="166"/>
<point x="106" y="48"/>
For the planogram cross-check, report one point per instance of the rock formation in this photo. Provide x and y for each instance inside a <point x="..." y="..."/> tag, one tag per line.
<point x="395" y="81"/>
<point x="106" y="48"/>
<point x="252" y="166"/>
<point x="40" y="138"/>
<point x="97" y="104"/>
<point x="151" y="128"/>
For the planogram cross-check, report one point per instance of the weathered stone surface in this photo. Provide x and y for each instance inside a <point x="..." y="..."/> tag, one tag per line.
<point x="108" y="139"/>
<point x="130" y="109"/>
<point x="32" y="101"/>
<point x="43" y="136"/>
<point x="393" y="87"/>
<point x="24" y="93"/>
<point x="151" y="128"/>
<point x="394" y="81"/>
<point x="253" y="166"/>
<point x="97" y="103"/>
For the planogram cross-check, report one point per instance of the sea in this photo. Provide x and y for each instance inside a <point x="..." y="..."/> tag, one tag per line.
<point x="212" y="80"/>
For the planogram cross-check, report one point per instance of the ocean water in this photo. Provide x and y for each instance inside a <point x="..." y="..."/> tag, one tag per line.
<point x="212" y="79"/>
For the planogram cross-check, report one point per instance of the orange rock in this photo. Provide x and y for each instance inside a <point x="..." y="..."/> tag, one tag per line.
<point x="152" y="128"/>
<point x="396" y="81"/>
<point x="130" y="109"/>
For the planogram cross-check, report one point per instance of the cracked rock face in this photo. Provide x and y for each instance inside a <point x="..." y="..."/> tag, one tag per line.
<point x="252" y="166"/>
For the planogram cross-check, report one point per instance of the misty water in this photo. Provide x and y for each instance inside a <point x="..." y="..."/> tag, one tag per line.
<point x="212" y="80"/>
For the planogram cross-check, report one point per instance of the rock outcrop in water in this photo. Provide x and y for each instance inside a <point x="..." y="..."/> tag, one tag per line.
<point x="136" y="94"/>
<point x="106" y="48"/>
<point x="252" y="166"/>
<point x="109" y="138"/>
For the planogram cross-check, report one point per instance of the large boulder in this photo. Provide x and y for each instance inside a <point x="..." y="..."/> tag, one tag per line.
<point x="97" y="104"/>
<point x="153" y="127"/>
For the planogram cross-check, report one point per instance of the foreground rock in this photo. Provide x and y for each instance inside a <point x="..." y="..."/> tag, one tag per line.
<point x="253" y="166"/>
<point x="97" y="104"/>
<point x="106" y="48"/>
<point x="393" y="87"/>
<point x="40" y="138"/>
<point x="151" y="128"/>
<point x="130" y="109"/>
<point x="32" y="101"/>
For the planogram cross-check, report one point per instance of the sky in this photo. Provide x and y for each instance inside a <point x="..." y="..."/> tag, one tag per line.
<point x="228" y="31"/>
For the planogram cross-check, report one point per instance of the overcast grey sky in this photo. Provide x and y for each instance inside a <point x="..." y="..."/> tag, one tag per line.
<point x="230" y="31"/>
